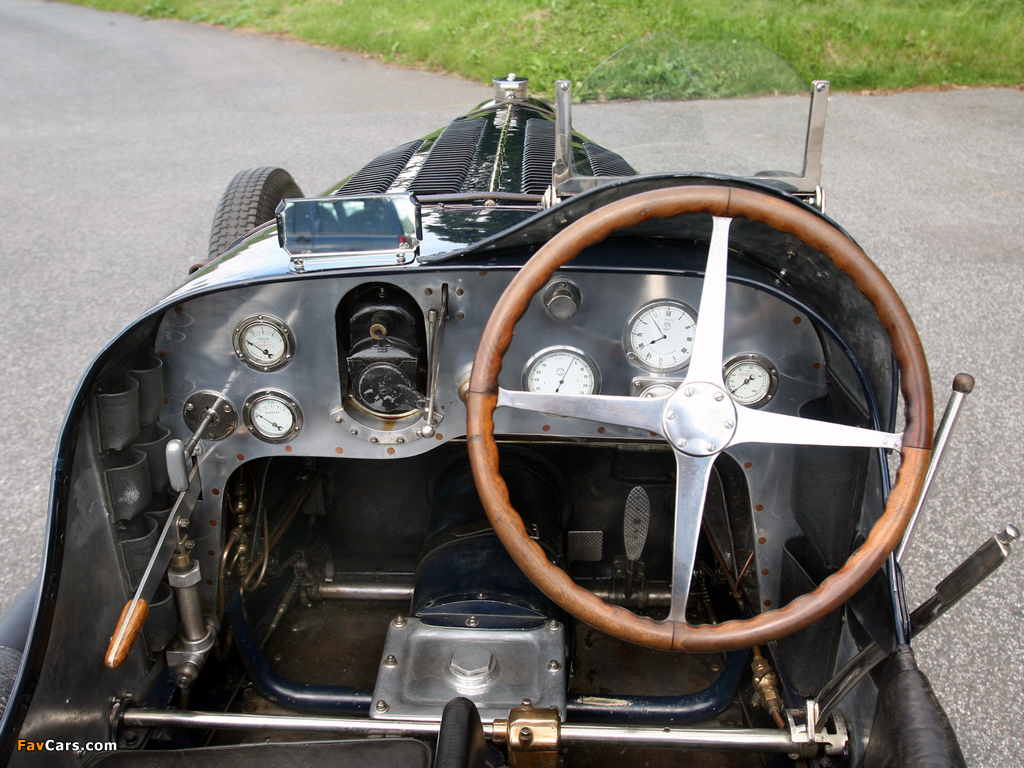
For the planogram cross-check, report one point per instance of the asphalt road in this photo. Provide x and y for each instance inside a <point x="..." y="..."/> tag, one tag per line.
<point x="117" y="136"/>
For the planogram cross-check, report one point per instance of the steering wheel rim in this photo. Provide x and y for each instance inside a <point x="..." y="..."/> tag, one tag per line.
<point x="725" y="204"/>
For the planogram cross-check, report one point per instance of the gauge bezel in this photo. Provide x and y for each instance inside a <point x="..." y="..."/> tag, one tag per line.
<point x="627" y="347"/>
<point x="282" y="397"/>
<point x="763" y="362"/>
<point x="595" y="370"/>
<point x="278" y="325"/>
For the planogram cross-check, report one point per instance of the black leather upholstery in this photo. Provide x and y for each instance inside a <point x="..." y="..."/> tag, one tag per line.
<point x="910" y="729"/>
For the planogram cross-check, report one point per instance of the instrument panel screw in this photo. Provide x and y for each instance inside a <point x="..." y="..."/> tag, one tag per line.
<point x="710" y="447"/>
<point x="183" y="522"/>
<point x="353" y="432"/>
<point x="719" y="397"/>
<point x="381" y="706"/>
<point x="554" y="666"/>
<point x="390" y="661"/>
<point x="373" y="439"/>
<point x="400" y="621"/>
<point x="729" y="424"/>
<point x="670" y="415"/>
<point x="190" y="406"/>
<point x="400" y="440"/>
<point x="681" y="442"/>
<point x="688" y="392"/>
<point x="472" y="621"/>
<point x="554" y="625"/>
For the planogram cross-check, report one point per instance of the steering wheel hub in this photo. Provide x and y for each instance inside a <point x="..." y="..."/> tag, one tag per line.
<point x="699" y="419"/>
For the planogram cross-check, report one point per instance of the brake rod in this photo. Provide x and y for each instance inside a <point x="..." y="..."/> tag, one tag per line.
<point x="948" y="592"/>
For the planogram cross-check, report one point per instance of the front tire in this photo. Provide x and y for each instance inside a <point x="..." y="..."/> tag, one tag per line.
<point x="249" y="201"/>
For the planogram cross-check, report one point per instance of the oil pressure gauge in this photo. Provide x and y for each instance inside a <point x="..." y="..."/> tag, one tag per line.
<point x="272" y="416"/>
<point x="263" y="342"/>
<point x="562" y="370"/>
<point x="751" y="379"/>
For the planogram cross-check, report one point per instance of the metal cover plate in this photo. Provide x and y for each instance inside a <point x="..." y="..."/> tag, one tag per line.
<point x="422" y="679"/>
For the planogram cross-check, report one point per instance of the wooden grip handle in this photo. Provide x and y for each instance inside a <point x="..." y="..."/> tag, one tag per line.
<point x="129" y="626"/>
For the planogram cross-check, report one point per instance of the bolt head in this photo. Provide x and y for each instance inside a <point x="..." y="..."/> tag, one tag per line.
<point x="472" y="621"/>
<point x="710" y="447"/>
<point x="390" y="661"/>
<point x="400" y="621"/>
<point x="729" y="424"/>
<point x="554" y="666"/>
<point x="527" y="704"/>
<point x="671" y="415"/>
<point x="525" y="734"/>
<point x="554" y="626"/>
<point x="381" y="706"/>
<point x="681" y="442"/>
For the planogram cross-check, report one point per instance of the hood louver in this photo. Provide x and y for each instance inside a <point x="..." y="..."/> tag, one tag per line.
<point x="447" y="164"/>
<point x="604" y="162"/>
<point x="538" y="155"/>
<point x="377" y="176"/>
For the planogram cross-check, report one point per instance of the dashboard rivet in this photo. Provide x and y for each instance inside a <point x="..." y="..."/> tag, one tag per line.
<point x="681" y="442"/>
<point x="353" y="432"/>
<point x="711" y="447"/>
<point x="400" y="440"/>
<point x="373" y="439"/>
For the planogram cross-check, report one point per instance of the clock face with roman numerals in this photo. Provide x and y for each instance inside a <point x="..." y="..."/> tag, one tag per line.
<point x="659" y="335"/>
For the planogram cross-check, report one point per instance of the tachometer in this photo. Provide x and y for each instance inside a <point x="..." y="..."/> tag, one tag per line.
<point x="563" y="370"/>
<point x="659" y="335"/>
<point x="752" y="379"/>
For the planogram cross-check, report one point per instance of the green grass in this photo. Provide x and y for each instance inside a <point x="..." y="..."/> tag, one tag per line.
<point x="870" y="44"/>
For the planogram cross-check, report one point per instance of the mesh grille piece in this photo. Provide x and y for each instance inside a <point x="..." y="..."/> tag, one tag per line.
<point x="379" y="174"/>
<point x="538" y="155"/>
<point x="607" y="163"/>
<point x="447" y="164"/>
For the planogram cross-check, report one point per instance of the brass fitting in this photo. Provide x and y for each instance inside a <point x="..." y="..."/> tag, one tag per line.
<point x="531" y="735"/>
<point x="766" y="694"/>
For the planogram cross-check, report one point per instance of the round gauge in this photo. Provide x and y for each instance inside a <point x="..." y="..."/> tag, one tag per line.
<point x="562" y="370"/>
<point x="272" y="416"/>
<point x="659" y="335"/>
<point x="752" y="380"/>
<point x="263" y="342"/>
<point x="658" y="389"/>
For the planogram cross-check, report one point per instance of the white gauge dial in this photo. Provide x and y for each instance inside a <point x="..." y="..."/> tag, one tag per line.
<point x="562" y="370"/>
<point x="751" y="379"/>
<point x="263" y="342"/>
<point x="272" y="416"/>
<point x="659" y="335"/>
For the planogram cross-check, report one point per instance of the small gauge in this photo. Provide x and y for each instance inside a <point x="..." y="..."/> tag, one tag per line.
<point x="272" y="416"/>
<point x="752" y="379"/>
<point x="562" y="370"/>
<point x="659" y="389"/>
<point x="263" y="342"/>
<point x="659" y="335"/>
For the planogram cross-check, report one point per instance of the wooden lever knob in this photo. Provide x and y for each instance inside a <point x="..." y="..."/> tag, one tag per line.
<point x="129" y="626"/>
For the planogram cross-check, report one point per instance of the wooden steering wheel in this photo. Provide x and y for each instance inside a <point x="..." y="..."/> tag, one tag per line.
<point x="700" y="419"/>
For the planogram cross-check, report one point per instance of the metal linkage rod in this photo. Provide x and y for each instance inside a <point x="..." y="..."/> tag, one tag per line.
<point x="744" y="739"/>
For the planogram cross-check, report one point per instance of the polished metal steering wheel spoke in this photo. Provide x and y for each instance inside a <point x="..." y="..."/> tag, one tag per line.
<point x="692" y="479"/>
<point x="708" y="338"/>
<point x="756" y="426"/>
<point x="638" y="412"/>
